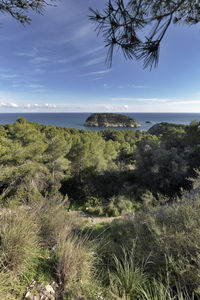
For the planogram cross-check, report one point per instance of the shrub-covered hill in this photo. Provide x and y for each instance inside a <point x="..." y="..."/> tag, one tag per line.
<point x="40" y="161"/>
<point x="111" y="120"/>
<point x="164" y="128"/>
<point x="150" y="252"/>
<point x="90" y="168"/>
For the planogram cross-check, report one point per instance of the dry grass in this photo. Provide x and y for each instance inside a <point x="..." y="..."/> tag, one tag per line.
<point x="18" y="249"/>
<point x="74" y="261"/>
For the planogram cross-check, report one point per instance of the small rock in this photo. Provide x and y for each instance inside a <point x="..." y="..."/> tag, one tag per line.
<point x="49" y="289"/>
<point x="29" y="296"/>
<point x="55" y="285"/>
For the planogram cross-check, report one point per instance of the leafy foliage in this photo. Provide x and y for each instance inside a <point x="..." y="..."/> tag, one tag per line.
<point x="38" y="161"/>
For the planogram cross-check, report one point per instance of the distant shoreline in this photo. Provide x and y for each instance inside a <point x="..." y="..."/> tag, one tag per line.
<point x="90" y="112"/>
<point x="77" y="119"/>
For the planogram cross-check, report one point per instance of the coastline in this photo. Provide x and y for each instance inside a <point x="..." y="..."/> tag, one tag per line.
<point x="77" y="120"/>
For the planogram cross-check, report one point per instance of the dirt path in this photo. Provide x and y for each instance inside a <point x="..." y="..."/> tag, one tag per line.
<point x="92" y="218"/>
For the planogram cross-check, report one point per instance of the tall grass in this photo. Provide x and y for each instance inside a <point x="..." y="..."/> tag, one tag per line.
<point x="171" y="235"/>
<point x="76" y="268"/>
<point x="19" y="249"/>
<point x="156" y="290"/>
<point x="44" y="242"/>
<point x="127" y="278"/>
<point x="74" y="255"/>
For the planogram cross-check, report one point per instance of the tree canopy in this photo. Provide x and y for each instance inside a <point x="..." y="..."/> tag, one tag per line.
<point x="19" y="9"/>
<point x="137" y="27"/>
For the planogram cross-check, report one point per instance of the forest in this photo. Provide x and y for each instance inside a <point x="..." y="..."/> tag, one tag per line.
<point x="143" y="186"/>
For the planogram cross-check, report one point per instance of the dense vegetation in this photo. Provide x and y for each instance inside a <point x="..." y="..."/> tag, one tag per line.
<point x="151" y="181"/>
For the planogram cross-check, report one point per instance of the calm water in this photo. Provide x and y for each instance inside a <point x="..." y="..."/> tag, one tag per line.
<point x="76" y="120"/>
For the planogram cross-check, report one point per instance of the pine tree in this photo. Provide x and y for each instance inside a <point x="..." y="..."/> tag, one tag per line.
<point x="137" y="27"/>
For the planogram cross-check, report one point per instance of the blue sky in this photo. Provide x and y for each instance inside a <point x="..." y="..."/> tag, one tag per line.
<point x="57" y="64"/>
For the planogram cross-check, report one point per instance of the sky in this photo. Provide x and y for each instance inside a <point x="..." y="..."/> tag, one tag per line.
<point x="57" y="64"/>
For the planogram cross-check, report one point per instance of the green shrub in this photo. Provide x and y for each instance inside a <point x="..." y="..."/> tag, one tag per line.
<point x="94" y="206"/>
<point x="127" y="278"/>
<point x="171" y="235"/>
<point x="118" y="205"/>
<point x="97" y="210"/>
<point x="112" y="210"/>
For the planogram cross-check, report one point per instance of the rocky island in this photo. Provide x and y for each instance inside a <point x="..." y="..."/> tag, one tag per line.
<point x="111" y="120"/>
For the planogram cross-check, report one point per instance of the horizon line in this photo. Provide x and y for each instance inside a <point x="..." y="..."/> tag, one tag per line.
<point x="88" y="112"/>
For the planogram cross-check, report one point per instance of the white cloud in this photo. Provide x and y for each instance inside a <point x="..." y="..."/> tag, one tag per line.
<point x="187" y="102"/>
<point x="8" y="76"/>
<point x="13" y="104"/>
<point x="50" y="105"/>
<point x="27" y="106"/>
<point x="94" y="50"/>
<point x="30" y="53"/>
<point x="101" y="106"/>
<point x="8" y="104"/>
<point x="54" y="60"/>
<point x="36" y="86"/>
<point x="82" y="31"/>
<point x="41" y="106"/>
<point x="94" y="61"/>
<point x="155" y="100"/>
<point x="135" y="86"/>
<point x="39" y="71"/>
<point x="40" y="59"/>
<point x="107" y="86"/>
<point x="101" y="72"/>
<point x="80" y="55"/>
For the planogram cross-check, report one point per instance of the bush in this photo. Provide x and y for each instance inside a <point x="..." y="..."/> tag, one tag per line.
<point x="73" y="262"/>
<point x="19" y="249"/>
<point x="94" y="206"/>
<point x="118" y="205"/>
<point x="53" y="222"/>
<point x="71" y="257"/>
<point x="31" y="244"/>
<point x="171" y="235"/>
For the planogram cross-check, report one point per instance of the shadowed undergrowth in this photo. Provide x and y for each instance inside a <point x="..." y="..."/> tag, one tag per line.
<point x="151" y="255"/>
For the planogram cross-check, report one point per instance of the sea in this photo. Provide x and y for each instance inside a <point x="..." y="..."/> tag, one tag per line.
<point x="76" y="120"/>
